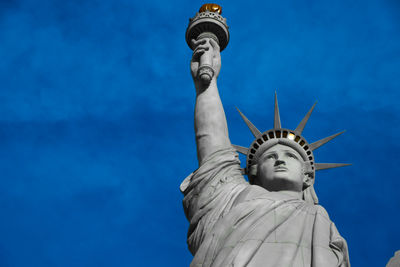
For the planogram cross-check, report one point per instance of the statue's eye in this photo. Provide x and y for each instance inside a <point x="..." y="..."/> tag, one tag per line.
<point x="290" y="155"/>
<point x="270" y="156"/>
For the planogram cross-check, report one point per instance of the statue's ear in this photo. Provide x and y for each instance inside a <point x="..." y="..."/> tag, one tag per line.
<point x="308" y="175"/>
<point x="307" y="180"/>
<point x="252" y="173"/>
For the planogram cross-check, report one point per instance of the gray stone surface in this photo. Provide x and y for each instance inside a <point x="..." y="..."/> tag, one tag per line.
<point x="395" y="260"/>
<point x="275" y="220"/>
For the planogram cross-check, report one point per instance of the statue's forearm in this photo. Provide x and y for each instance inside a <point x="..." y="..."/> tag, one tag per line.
<point x="210" y="122"/>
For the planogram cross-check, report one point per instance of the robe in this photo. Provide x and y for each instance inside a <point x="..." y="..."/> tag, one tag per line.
<point x="233" y="223"/>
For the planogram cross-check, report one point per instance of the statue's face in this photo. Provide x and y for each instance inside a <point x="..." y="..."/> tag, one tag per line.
<point x="280" y="168"/>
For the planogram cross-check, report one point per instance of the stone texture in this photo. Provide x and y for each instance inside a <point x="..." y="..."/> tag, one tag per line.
<point x="233" y="223"/>
<point x="395" y="260"/>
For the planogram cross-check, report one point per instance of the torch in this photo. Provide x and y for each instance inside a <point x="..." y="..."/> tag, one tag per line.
<point x="208" y="23"/>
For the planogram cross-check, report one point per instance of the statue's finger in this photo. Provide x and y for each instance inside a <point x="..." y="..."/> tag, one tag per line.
<point x="214" y="44"/>
<point x="198" y="42"/>
<point x="197" y="53"/>
<point x="204" y="47"/>
<point x="200" y="49"/>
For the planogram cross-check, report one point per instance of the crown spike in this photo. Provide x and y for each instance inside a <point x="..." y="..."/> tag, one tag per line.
<point x="324" y="166"/>
<point x="240" y="149"/>
<point x="252" y="128"/>
<point x="321" y="142"/>
<point x="303" y="122"/>
<point x="277" y="119"/>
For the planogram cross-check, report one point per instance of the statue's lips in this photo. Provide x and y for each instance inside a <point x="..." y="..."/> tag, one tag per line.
<point x="281" y="169"/>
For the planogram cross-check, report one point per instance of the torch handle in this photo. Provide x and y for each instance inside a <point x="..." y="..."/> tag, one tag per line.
<point x="206" y="71"/>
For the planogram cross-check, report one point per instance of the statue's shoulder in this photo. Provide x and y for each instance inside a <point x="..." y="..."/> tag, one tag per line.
<point x="322" y="211"/>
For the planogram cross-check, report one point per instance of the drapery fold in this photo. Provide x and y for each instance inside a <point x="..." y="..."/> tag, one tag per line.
<point x="233" y="223"/>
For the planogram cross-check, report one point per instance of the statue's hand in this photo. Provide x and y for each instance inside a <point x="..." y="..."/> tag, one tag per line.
<point x="206" y="50"/>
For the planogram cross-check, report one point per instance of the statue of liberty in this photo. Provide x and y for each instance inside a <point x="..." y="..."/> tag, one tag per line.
<point x="273" y="219"/>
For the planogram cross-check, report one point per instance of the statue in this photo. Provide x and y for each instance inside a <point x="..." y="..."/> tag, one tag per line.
<point x="395" y="260"/>
<point x="272" y="220"/>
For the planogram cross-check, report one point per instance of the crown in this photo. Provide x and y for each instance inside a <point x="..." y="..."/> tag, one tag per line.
<point x="291" y="138"/>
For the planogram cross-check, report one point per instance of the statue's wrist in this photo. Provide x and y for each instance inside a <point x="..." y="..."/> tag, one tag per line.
<point x="201" y="86"/>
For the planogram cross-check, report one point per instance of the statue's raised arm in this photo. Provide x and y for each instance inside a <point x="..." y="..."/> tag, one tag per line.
<point x="210" y="123"/>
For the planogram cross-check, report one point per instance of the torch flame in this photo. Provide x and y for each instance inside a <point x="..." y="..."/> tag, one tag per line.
<point x="211" y="8"/>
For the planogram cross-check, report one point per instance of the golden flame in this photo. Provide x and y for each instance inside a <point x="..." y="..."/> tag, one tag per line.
<point x="211" y="8"/>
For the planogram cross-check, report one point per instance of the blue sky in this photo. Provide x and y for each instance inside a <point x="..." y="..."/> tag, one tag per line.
<point x="96" y="120"/>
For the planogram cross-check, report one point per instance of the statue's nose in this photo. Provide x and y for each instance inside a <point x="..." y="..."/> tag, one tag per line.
<point x="279" y="162"/>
